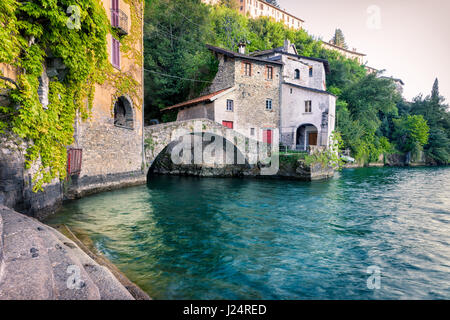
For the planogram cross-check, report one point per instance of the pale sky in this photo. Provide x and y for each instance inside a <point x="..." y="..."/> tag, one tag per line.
<point x="412" y="40"/>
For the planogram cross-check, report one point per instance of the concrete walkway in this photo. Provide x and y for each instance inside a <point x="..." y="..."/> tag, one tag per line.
<point x="37" y="262"/>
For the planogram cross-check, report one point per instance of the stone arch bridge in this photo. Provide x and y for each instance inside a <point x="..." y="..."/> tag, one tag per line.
<point x="238" y="154"/>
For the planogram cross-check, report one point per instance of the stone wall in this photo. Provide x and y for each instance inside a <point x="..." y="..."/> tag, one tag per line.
<point x="250" y="98"/>
<point x="16" y="182"/>
<point x="112" y="157"/>
<point x="224" y="77"/>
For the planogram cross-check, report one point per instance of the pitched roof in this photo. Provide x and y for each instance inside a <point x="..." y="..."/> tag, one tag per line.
<point x="233" y="54"/>
<point x="343" y="49"/>
<point x="309" y="89"/>
<point x="206" y="98"/>
<point x="281" y="51"/>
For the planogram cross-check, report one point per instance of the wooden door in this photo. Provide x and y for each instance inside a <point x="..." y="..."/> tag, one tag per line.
<point x="312" y="138"/>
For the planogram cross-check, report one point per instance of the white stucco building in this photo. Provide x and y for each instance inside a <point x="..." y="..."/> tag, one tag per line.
<point x="307" y="113"/>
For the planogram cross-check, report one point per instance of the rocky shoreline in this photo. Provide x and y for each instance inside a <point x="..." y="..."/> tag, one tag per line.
<point x="38" y="262"/>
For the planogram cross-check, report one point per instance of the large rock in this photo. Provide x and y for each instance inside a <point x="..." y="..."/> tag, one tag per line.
<point x="39" y="263"/>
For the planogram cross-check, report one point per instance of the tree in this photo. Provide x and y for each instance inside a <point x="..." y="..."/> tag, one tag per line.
<point x="339" y="39"/>
<point x="230" y="4"/>
<point x="175" y="33"/>
<point x="434" y="111"/>
<point x="411" y="133"/>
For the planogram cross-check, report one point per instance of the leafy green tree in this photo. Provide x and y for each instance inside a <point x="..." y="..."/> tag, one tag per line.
<point x="434" y="111"/>
<point x="177" y="63"/>
<point x="411" y="132"/>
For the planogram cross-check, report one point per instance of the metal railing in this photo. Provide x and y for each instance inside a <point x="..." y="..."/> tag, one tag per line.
<point x="119" y="20"/>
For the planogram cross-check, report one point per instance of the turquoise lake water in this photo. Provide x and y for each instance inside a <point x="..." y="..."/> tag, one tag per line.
<point x="207" y="238"/>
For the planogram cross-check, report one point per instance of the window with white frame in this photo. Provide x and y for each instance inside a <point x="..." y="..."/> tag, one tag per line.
<point x="252" y="131"/>
<point x="308" y="106"/>
<point x="230" y="105"/>
<point x="269" y="104"/>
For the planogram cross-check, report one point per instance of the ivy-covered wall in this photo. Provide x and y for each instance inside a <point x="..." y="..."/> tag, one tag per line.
<point x="69" y="42"/>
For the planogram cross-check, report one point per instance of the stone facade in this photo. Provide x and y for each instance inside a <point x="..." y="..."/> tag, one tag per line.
<point x="250" y="93"/>
<point x="112" y="150"/>
<point x="307" y="111"/>
<point x="16" y="182"/>
<point x="301" y="108"/>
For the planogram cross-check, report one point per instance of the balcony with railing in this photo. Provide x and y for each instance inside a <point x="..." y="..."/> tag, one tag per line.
<point x="119" y="20"/>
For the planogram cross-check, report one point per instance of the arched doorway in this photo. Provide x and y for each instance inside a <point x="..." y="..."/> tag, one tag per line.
<point x="307" y="135"/>
<point x="123" y="113"/>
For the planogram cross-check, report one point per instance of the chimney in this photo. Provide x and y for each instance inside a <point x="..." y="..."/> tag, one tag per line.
<point x="241" y="47"/>
<point x="287" y="44"/>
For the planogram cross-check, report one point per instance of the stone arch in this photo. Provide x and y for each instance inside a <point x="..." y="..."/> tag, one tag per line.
<point x="307" y="134"/>
<point x="124" y="112"/>
<point x="233" y="161"/>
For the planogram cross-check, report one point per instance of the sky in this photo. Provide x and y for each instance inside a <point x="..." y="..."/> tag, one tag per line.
<point x="410" y="39"/>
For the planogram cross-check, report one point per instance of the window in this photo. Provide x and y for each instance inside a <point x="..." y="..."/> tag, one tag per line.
<point x="123" y="113"/>
<point x="248" y="69"/>
<point x="269" y="104"/>
<point x="115" y="53"/>
<point x="269" y="73"/>
<point x="291" y="90"/>
<point x="115" y="13"/>
<point x="310" y="71"/>
<point x="252" y="131"/>
<point x="308" y="106"/>
<point x="228" y="124"/>
<point x="297" y="74"/>
<point x="230" y="105"/>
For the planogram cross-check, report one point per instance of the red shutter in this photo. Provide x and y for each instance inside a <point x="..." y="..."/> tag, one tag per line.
<point x="228" y="124"/>
<point x="267" y="136"/>
<point x="74" y="158"/>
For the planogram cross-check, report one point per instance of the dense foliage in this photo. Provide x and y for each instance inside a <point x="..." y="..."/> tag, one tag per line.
<point x="372" y="117"/>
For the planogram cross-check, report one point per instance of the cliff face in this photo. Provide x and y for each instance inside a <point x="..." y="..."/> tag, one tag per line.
<point x="39" y="263"/>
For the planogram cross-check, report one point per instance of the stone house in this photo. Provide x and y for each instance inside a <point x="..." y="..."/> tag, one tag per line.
<point x="307" y="110"/>
<point x="244" y="96"/>
<point x="257" y="93"/>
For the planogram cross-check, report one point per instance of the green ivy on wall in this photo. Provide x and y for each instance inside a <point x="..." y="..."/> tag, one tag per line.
<point x="32" y="32"/>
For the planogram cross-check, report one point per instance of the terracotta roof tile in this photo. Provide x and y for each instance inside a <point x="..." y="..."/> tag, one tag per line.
<point x="205" y="98"/>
